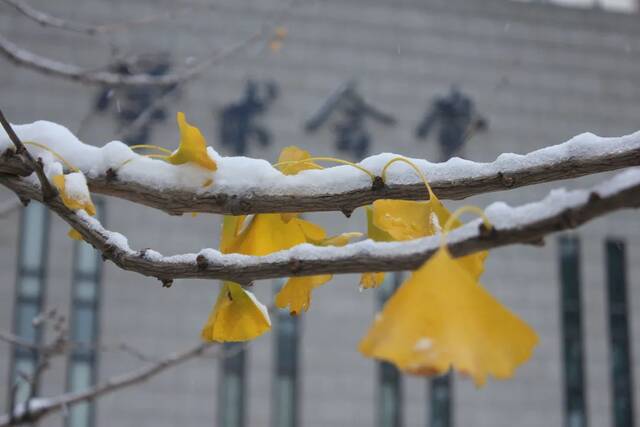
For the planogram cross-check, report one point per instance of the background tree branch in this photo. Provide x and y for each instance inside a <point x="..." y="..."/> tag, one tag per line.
<point x="44" y="406"/>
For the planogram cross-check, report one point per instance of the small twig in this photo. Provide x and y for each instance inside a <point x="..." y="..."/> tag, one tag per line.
<point x="48" y="20"/>
<point x="48" y="191"/>
<point x="58" y="403"/>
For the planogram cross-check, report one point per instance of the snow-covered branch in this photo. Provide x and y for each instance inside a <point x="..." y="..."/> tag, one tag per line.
<point x="40" y="407"/>
<point x="243" y="185"/>
<point x="530" y="223"/>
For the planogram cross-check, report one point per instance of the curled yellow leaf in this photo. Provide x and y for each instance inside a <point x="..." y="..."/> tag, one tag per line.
<point x="71" y="201"/>
<point x="236" y="316"/>
<point x="192" y="148"/>
<point x="292" y="160"/>
<point x="296" y="293"/>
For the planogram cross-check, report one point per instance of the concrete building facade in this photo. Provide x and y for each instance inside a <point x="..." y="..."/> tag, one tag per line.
<point x="538" y="73"/>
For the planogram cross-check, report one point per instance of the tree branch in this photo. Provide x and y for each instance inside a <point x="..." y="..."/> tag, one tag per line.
<point x="48" y="191"/>
<point x="31" y="60"/>
<point x="48" y="405"/>
<point x="450" y="181"/>
<point x="526" y="224"/>
<point x="47" y="20"/>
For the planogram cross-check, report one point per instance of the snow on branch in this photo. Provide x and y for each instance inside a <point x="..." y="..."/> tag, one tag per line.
<point x="528" y="224"/>
<point x="243" y="185"/>
<point x="40" y="407"/>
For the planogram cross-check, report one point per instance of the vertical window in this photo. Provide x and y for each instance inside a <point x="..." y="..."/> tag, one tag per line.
<point x="389" y="394"/>
<point x="285" y="387"/>
<point x="441" y="397"/>
<point x="621" y="375"/>
<point x="231" y="395"/>
<point x="82" y="365"/>
<point x="30" y="295"/>
<point x="574" y="390"/>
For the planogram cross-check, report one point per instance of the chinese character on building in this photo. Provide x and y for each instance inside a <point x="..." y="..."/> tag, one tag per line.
<point x="239" y="124"/>
<point x="458" y="120"/>
<point x="137" y="108"/>
<point x="351" y="134"/>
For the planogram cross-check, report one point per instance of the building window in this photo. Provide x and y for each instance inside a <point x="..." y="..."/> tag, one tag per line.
<point x="231" y="395"/>
<point x="441" y="397"/>
<point x="620" y="359"/>
<point x="285" y="411"/>
<point x="389" y="395"/>
<point x="574" y="390"/>
<point x="29" y="301"/>
<point x="82" y="369"/>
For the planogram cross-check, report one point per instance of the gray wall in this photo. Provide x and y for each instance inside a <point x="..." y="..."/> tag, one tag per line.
<point x="540" y="73"/>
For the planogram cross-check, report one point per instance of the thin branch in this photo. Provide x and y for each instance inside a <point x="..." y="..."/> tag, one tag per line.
<point x="527" y="224"/>
<point x="18" y="341"/>
<point x="49" y="405"/>
<point x="48" y="191"/>
<point x="73" y="72"/>
<point x="47" y="20"/>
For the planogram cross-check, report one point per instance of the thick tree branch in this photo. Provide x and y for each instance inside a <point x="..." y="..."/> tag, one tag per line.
<point x="494" y="176"/>
<point x="178" y="202"/>
<point x="46" y="406"/>
<point x="540" y="219"/>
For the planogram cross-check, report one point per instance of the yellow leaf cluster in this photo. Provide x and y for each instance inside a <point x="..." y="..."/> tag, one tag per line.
<point x="264" y="234"/>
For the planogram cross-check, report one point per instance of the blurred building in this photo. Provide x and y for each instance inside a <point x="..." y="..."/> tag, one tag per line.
<point x="540" y="73"/>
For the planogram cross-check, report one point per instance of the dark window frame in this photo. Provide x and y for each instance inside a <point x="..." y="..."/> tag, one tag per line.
<point x="87" y="353"/>
<point x="286" y="341"/>
<point x="22" y="301"/>
<point x="389" y="378"/>
<point x="619" y="329"/>
<point x="233" y="366"/>
<point x="572" y="339"/>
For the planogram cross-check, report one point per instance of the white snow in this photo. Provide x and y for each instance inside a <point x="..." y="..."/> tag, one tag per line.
<point x="75" y="186"/>
<point x="423" y="344"/>
<point x="243" y="175"/>
<point x="35" y="404"/>
<point x="261" y="307"/>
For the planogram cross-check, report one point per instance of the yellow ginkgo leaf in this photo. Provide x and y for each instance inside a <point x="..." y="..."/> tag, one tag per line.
<point x="456" y="323"/>
<point x="193" y="146"/>
<point x="296" y="293"/>
<point x="340" y="239"/>
<point x="236" y="316"/>
<point x="371" y="280"/>
<point x="291" y="160"/>
<point x="407" y="220"/>
<point x="264" y="234"/>
<point x="74" y="202"/>
<point x="403" y="219"/>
